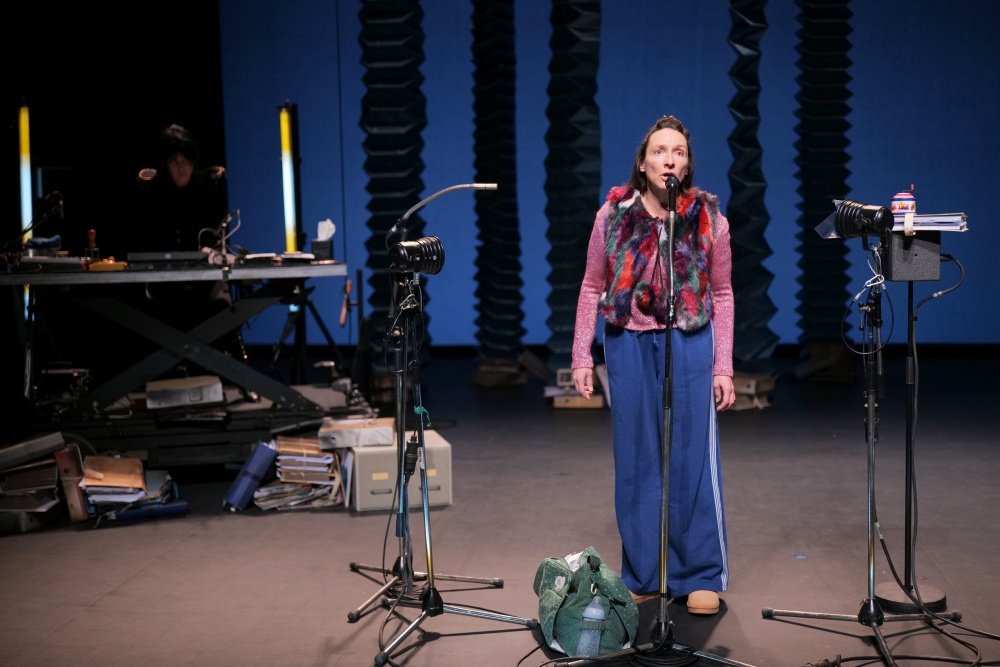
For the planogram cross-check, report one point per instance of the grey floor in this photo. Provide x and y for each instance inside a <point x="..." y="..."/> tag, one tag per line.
<point x="259" y="588"/>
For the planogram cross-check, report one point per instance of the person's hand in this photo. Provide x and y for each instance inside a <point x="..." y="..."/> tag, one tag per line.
<point x="583" y="380"/>
<point x="216" y="173"/>
<point x="147" y="174"/>
<point x="725" y="393"/>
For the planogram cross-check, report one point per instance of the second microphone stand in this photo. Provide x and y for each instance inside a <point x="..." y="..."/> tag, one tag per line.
<point x="399" y="589"/>
<point x="871" y="613"/>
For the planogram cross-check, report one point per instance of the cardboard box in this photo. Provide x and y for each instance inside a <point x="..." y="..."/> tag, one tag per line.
<point x="350" y="433"/>
<point x="753" y="384"/>
<point x="375" y="473"/>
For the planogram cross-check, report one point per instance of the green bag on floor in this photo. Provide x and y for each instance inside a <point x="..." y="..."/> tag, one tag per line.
<point x="565" y="586"/>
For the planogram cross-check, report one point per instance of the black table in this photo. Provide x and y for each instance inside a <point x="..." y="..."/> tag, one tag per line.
<point x="269" y="284"/>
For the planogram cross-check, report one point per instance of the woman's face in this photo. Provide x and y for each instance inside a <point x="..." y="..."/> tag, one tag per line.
<point x="666" y="156"/>
<point x="181" y="170"/>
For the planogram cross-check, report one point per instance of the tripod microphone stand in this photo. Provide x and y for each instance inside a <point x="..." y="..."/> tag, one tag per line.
<point x="871" y="613"/>
<point x="410" y="258"/>
<point x="295" y="322"/>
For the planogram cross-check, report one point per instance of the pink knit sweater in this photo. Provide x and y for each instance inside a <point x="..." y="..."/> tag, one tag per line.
<point x="595" y="283"/>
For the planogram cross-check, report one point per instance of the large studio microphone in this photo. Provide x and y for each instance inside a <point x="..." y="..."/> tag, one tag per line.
<point x="401" y="223"/>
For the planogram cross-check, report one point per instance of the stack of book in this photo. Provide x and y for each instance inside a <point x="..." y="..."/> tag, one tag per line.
<point x="308" y="477"/>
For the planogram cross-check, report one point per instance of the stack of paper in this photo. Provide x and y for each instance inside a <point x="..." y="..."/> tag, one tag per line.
<point x="932" y="222"/>
<point x="290" y="495"/>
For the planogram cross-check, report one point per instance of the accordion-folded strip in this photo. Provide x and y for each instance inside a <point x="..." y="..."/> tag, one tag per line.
<point x="251" y="476"/>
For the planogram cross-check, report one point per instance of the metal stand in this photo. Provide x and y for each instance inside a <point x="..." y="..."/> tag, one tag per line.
<point x="894" y="599"/>
<point x="871" y="613"/>
<point x="399" y="588"/>
<point x="298" y="304"/>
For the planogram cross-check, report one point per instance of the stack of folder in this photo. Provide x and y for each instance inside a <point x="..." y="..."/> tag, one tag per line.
<point x="29" y="480"/>
<point x="112" y="481"/>
<point x="308" y="477"/>
<point x="119" y="489"/>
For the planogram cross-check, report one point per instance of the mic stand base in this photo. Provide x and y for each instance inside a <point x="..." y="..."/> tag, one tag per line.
<point x="896" y="601"/>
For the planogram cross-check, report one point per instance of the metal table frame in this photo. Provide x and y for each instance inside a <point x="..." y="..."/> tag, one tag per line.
<point x="276" y="284"/>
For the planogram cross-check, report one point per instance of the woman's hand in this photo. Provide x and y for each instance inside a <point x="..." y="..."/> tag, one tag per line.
<point x="725" y="393"/>
<point x="583" y="380"/>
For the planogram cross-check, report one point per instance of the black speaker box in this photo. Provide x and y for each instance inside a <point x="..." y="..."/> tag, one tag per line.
<point x="915" y="257"/>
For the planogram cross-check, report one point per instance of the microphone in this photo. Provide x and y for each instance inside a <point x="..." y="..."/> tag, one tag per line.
<point x="672" y="185"/>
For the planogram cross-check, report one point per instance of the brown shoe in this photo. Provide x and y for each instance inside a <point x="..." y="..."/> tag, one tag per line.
<point x="704" y="603"/>
<point x="639" y="598"/>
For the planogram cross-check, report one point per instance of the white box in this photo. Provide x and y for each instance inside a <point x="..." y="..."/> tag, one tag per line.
<point x="349" y="433"/>
<point x="182" y="392"/>
<point x="375" y="473"/>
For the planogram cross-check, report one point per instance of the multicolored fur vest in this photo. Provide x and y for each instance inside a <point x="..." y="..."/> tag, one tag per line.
<point x="632" y="240"/>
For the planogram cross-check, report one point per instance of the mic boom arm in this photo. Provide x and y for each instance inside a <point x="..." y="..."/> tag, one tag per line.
<point x="401" y="223"/>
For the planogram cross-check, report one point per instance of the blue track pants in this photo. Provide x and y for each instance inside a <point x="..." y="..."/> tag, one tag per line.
<point x="696" y="520"/>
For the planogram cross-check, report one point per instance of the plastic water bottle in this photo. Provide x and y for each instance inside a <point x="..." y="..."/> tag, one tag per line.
<point x="591" y="628"/>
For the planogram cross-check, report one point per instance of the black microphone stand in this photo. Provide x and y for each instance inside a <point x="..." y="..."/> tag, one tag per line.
<point x="662" y="648"/>
<point x="663" y="632"/>
<point x="399" y="590"/>
<point x="871" y="613"/>
<point x="894" y="599"/>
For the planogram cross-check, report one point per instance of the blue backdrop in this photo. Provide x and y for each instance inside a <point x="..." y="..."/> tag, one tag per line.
<point x="924" y="89"/>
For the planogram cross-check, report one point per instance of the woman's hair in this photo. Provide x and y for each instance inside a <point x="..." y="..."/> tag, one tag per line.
<point x="176" y="139"/>
<point x="638" y="180"/>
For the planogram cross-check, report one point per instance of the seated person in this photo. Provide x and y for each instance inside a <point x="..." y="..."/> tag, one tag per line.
<point x="182" y="207"/>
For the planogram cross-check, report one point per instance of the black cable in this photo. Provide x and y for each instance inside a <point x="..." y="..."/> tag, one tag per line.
<point x="877" y="281"/>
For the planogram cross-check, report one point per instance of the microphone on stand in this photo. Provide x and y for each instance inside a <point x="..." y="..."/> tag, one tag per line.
<point x="672" y="185"/>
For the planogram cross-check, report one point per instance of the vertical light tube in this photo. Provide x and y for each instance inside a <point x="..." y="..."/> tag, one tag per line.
<point x="27" y="212"/>
<point x="27" y="208"/>
<point x="288" y="185"/>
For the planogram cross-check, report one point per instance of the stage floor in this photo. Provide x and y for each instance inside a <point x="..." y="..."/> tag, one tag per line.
<point x="530" y="481"/>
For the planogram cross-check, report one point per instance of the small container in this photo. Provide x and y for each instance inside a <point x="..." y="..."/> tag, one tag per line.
<point x="903" y="203"/>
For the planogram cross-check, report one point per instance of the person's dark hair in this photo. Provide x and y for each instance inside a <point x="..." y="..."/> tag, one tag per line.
<point x="638" y="180"/>
<point x="176" y="139"/>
